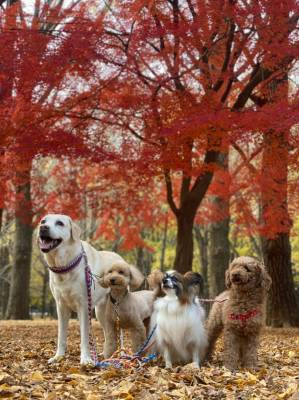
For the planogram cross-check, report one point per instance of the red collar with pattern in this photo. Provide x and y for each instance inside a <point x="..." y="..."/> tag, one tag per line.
<point x="243" y="317"/>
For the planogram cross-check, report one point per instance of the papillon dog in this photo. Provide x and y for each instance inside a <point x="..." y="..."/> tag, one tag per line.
<point x="179" y="318"/>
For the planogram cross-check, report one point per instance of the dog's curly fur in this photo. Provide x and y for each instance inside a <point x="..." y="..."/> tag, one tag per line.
<point x="248" y="282"/>
<point x="134" y="308"/>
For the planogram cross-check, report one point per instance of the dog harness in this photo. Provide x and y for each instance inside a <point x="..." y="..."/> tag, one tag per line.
<point x="243" y="317"/>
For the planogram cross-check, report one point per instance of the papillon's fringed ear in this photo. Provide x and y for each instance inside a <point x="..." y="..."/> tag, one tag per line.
<point x="265" y="279"/>
<point x="75" y="230"/>
<point x="227" y="279"/>
<point x="136" y="276"/>
<point x="155" y="279"/>
<point x="194" y="279"/>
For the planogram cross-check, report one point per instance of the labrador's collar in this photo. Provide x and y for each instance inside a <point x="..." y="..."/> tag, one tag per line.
<point x="67" y="268"/>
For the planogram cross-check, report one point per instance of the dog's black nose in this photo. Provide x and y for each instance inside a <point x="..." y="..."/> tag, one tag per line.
<point x="236" y="277"/>
<point x="112" y="281"/>
<point x="44" y="229"/>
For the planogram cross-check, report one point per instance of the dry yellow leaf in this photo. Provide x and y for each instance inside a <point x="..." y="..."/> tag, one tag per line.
<point x="51" y="396"/>
<point x="36" y="376"/>
<point x="93" y="396"/>
<point x="4" y="377"/>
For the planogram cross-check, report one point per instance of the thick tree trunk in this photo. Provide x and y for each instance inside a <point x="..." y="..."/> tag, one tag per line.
<point x="219" y="246"/>
<point x="164" y="244"/>
<point x="219" y="254"/>
<point x="282" y="306"/>
<point x="18" y="302"/>
<point x="184" y="244"/>
<point x="4" y="279"/>
<point x="202" y="240"/>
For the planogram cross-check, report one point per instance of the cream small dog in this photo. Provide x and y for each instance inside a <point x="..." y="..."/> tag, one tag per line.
<point x="132" y="308"/>
<point x="59" y="241"/>
<point x="179" y="318"/>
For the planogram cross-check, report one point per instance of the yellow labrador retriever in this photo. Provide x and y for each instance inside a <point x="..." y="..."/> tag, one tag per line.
<point x="59" y="241"/>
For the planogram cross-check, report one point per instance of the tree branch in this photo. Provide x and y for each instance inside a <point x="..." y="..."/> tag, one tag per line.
<point x="169" y="190"/>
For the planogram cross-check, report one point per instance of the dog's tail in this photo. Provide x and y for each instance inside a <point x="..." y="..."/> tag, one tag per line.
<point x="154" y="281"/>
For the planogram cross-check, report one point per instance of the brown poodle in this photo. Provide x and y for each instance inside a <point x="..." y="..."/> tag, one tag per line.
<point x="240" y="312"/>
<point x="132" y="308"/>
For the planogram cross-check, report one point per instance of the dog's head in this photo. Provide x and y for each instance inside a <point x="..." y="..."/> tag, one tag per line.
<point x="185" y="287"/>
<point x="55" y="229"/>
<point x="121" y="275"/>
<point x="245" y="273"/>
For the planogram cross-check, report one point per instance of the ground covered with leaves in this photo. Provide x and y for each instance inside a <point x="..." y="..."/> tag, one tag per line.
<point x="27" y="345"/>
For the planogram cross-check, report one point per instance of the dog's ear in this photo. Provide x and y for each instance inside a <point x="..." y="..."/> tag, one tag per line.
<point x="136" y="277"/>
<point x="265" y="280"/>
<point x="75" y="230"/>
<point x="193" y="279"/>
<point x="101" y="280"/>
<point x="193" y="282"/>
<point x="227" y="278"/>
<point x="155" y="279"/>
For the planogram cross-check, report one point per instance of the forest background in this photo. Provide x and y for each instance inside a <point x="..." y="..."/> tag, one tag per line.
<point x="168" y="129"/>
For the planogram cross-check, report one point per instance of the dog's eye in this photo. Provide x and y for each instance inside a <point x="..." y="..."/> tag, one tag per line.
<point x="43" y="221"/>
<point x="247" y="269"/>
<point x="60" y="223"/>
<point x="121" y="272"/>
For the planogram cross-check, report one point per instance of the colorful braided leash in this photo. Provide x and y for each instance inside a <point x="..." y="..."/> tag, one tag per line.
<point x="89" y="281"/>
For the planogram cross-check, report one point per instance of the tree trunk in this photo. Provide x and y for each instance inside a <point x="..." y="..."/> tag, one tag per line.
<point x="219" y="254"/>
<point x="203" y="242"/>
<point x="144" y="260"/>
<point x="184" y="243"/>
<point x="45" y="291"/>
<point x="282" y="305"/>
<point x="18" y="302"/>
<point x="4" y="279"/>
<point x="219" y="250"/>
<point x="164" y="243"/>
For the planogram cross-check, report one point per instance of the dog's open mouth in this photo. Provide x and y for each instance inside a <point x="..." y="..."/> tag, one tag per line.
<point x="47" y="244"/>
<point x="238" y="281"/>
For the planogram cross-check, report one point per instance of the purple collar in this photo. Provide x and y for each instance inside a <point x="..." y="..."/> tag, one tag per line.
<point x="73" y="264"/>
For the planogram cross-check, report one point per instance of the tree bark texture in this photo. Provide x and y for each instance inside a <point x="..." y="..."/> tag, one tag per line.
<point x="184" y="248"/>
<point x="18" y="302"/>
<point x="201" y="236"/>
<point x="219" y="246"/>
<point x="282" y="305"/>
<point x="219" y="255"/>
<point x="4" y="279"/>
<point x="164" y="244"/>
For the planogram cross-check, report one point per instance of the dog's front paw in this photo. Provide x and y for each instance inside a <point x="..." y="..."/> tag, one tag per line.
<point x="56" y="359"/>
<point x="86" y="360"/>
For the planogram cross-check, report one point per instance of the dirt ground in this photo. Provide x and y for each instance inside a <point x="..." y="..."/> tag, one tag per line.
<point x="25" y="347"/>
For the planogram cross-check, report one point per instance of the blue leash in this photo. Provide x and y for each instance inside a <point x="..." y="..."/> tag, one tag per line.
<point x="118" y="362"/>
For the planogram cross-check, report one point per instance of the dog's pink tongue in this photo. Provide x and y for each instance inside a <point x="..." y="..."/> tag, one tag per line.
<point x="44" y="245"/>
